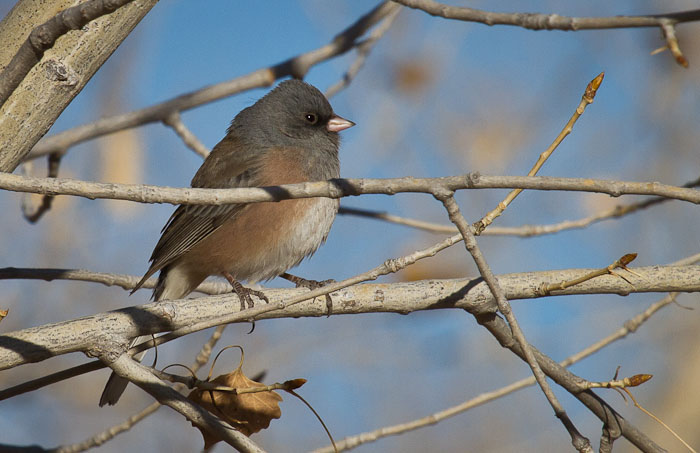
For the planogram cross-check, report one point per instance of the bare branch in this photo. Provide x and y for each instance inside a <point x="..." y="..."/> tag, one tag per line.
<point x="108" y="434"/>
<point x="175" y="122"/>
<point x="534" y="21"/>
<point x="296" y="66"/>
<point x="108" y="279"/>
<point x="335" y="188"/>
<point x="629" y="326"/>
<point x="586" y="99"/>
<point x="102" y="332"/>
<point x="44" y="36"/>
<point x="61" y="74"/>
<point x="36" y="384"/>
<point x="580" y="443"/>
<point x="363" y="50"/>
<point x="618" y="211"/>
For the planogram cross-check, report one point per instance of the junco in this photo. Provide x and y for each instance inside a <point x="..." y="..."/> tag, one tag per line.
<point x="288" y="136"/>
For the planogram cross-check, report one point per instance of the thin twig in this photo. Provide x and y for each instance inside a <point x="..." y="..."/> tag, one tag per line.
<point x="174" y="121"/>
<point x="127" y="282"/>
<point x="110" y="433"/>
<point x="632" y="381"/>
<point x="586" y="99"/>
<point x="659" y="421"/>
<point x="547" y="289"/>
<point x="363" y="50"/>
<point x="535" y="21"/>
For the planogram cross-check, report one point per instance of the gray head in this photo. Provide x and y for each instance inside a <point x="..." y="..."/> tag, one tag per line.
<point x="293" y="114"/>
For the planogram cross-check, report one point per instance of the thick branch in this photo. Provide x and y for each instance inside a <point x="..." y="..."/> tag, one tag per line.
<point x="335" y="188"/>
<point x="110" y="332"/>
<point x="45" y="35"/>
<point x="61" y="74"/>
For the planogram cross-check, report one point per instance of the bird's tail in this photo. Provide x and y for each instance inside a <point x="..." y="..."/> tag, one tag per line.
<point x="116" y="384"/>
<point x="174" y="282"/>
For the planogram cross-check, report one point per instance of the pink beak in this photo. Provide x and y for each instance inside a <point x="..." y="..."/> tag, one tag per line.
<point x="337" y="124"/>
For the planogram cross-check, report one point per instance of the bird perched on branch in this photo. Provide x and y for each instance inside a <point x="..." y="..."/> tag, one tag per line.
<point x="288" y="136"/>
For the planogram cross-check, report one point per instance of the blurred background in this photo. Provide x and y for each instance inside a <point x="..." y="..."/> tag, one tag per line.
<point x="435" y="98"/>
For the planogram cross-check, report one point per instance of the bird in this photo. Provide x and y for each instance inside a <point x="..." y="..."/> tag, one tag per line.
<point x="290" y="135"/>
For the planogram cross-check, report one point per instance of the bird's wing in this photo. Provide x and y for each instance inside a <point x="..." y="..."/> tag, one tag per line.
<point x="190" y="224"/>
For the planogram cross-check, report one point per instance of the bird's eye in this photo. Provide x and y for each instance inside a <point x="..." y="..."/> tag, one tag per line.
<point x="310" y="118"/>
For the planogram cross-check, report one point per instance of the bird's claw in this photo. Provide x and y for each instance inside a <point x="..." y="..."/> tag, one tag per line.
<point x="312" y="285"/>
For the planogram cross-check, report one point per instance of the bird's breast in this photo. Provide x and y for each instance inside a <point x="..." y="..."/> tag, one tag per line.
<point x="264" y="240"/>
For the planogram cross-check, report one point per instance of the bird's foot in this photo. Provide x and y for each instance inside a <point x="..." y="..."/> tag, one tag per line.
<point x="311" y="285"/>
<point x="244" y="293"/>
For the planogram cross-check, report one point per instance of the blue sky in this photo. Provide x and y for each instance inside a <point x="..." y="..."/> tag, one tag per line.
<point x="487" y="99"/>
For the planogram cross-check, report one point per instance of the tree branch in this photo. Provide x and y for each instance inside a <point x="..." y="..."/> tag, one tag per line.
<point x="108" y="434"/>
<point x="124" y="281"/>
<point x="610" y="418"/>
<point x="111" y="331"/>
<point x="296" y="66"/>
<point x="174" y="121"/>
<point x="629" y="326"/>
<point x="533" y="21"/>
<point x="580" y="442"/>
<point x="523" y="230"/>
<point x="64" y="70"/>
<point x="45" y="35"/>
<point x="363" y="50"/>
<point x="335" y="188"/>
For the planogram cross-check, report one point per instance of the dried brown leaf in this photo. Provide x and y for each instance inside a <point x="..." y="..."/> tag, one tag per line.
<point x="248" y="412"/>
